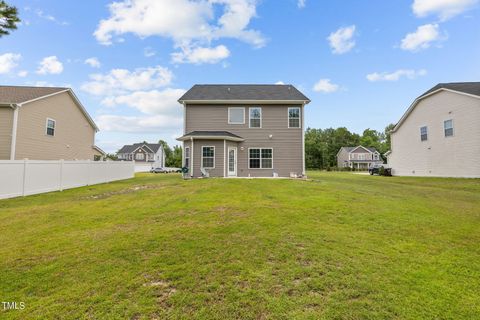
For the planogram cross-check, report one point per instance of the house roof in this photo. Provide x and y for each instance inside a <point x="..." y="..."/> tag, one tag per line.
<point x="129" y="148"/>
<point x="243" y="93"/>
<point x="469" y="88"/>
<point x="350" y="149"/>
<point x="214" y="135"/>
<point x="465" y="87"/>
<point x="17" y="94"/>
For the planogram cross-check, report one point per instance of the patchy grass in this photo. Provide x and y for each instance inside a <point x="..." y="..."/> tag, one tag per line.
<point x="337" y="246"/>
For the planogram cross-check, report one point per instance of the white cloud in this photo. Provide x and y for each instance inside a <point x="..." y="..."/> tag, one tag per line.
<point x="197" y="22"/>
<point x="325" y="86"/>
<point x="301" y="3"/>
<point x="121" y="81"/>
<point x="149" y="102"/>
<point x="341" y="41"/>
<point x="138" y="124"/>
<point x="422" y="38"/>
<point x="445" y="9"/>
<point x="50" y="65"/>
<point x="201" y="55"/>
<point x="22" y="73"/>
<point x="93" y="62"/>
<point x="279" y="82"/>
<point x="49" y="17"/>
<point x="149" y="52"/>
<point x="8" y="62"/>
<point x="395" y="76"/>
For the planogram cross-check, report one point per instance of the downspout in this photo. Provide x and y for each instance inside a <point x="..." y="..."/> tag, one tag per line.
<point x="14" y="131"/>
<point x="303" y="139"/>
<point x="191" y="156"/>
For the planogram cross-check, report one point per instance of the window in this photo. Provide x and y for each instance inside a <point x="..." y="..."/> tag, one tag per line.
<point x="208" y="157"/>
<point x="50" y="127"/>
<point x="423" y="133"/>
<point x="255" y="117"/>
<point x="187" y="157"/>
<point x="139" y="156"/>
<point x="448" y="127"/>
<point x="260" y="158"/>
<point x="294" y="117"/>
<point x="236" y="115"/>
<point x="361" y="156"/>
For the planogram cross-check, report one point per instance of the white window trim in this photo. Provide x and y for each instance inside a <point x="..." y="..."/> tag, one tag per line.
<point x="214" y="154"/>
<point x="427" y="133"/>
<point x="243" y="117"/>
<point x="259" y="159"/>
<point x="54" y="127"/>
<point x="250" y="117"/>
<point x="299" y="119"/>
<point x="453" y="128"/>
<point x="185" y="157"/>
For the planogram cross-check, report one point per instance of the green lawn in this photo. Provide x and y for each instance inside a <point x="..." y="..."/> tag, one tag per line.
<point x="340" y="245"/>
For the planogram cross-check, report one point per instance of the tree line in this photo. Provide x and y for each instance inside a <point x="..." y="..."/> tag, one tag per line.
<point x="322" y="145"/>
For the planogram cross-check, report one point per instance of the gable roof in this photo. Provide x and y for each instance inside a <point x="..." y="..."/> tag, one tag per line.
<point x="466" y="88"/>
<point x="350" y="149"/>
<point x="221" y="93"/>
<point x="19" y="95"/>
<point x="129" y="148"/>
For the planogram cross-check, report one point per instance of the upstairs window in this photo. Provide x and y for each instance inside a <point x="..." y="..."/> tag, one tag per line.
<point x="236" y="115"/>
<point x="50" y="127"/>
<point x="423" y="133"/>
<point x="294" y="117"/>
<point x="255" y="117"/>
<point x="448" y="128"/>
<point x="260" y="158"/>
<point x="208" y="157"/>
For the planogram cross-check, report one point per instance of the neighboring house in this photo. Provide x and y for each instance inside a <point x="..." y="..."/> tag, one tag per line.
<point x="44" y="123"/>
<point x="358" y="157"/>
<point x="143" y="152"/>
<point x="244" y="130"/>
<point x="439" y="135"/>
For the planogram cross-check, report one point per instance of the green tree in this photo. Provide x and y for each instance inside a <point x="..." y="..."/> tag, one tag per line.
<point x="388" y="134"/>
<point x="175" y="159"/>
<point x="166" y="149"/>
<point x="8" y="18"/>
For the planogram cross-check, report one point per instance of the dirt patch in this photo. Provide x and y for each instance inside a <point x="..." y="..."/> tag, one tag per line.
<point x="122" y="191"/>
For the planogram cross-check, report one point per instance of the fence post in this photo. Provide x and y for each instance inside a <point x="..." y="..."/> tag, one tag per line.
<point x="61" y="174"/>
<point x="24" y="176"/>
<point x="88" y="172"/>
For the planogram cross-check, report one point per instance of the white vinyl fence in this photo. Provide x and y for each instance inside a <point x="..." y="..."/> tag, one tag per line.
<point x="26" y="177"/>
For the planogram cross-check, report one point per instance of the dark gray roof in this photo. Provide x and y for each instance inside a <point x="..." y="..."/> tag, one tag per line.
<point x="132" y="147"/>
<point x="211" y="134"/>
<point x="350" y="149"/>
<point x="465" y="87"/>
<point x="258" y="92"/>
<point x="18" y="94"/>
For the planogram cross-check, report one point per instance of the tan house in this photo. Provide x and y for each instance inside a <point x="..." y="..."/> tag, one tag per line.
<point x="359" y="157"/>
<point x="44" y="123"/>
<point x="439" y="135"/>
<point x="244" y="131"/>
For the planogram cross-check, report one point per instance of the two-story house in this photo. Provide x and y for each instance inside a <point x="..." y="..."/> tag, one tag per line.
<point x="143" y="152"/>
<point x="45" y="123"/>
<point x="360" y="158"/>
<point x="244" y="131"/>
<point x="439" y="135"/>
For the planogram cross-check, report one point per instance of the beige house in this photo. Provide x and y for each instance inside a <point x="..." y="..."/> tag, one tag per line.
<point x="359" y="157"/>
<point x="439" y="135"/>
<point x="244" y="131"/>
<point x="44" y="123"/>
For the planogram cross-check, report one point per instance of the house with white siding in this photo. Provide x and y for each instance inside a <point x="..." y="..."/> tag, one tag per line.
<point x="439" y="134"/>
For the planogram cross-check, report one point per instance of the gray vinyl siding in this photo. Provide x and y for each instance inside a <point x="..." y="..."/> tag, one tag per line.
<point x="285" y="142"/>
<point x="6" y="122"/>
<point x="342" y="157"/>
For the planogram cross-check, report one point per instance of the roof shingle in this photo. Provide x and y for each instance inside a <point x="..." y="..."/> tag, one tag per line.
<point x="465" y="87"/>
<point x="243" y="92"/>
<point x="19" y="94"/>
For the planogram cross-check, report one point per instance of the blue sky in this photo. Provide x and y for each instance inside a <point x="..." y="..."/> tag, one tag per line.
<point x="360" y="62"/>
